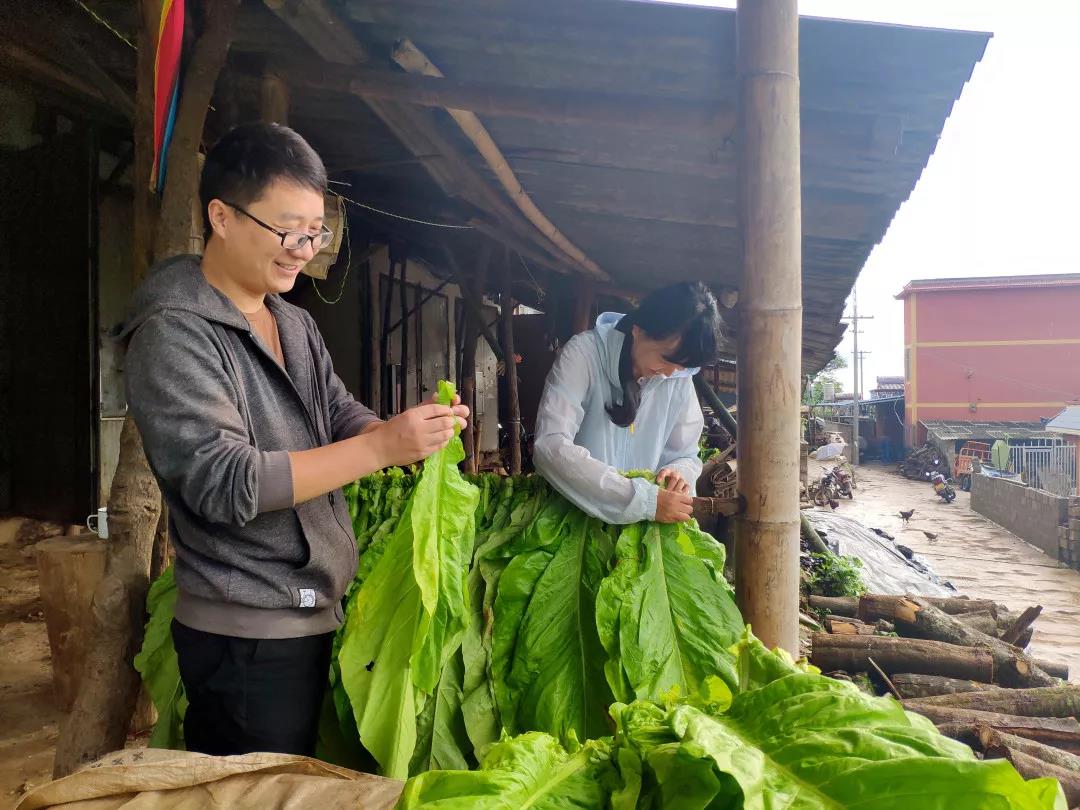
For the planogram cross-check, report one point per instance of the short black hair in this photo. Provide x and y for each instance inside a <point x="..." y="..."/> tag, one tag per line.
<point x="250" y="157"/>
<point x="687" y="310"/>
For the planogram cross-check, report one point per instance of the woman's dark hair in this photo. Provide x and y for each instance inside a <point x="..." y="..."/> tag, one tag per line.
<point x="250" y="157"/>
<point x="687" y="310"/>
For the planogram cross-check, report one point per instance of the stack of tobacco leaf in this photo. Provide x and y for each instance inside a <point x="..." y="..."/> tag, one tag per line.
<point x="504" y="649"/>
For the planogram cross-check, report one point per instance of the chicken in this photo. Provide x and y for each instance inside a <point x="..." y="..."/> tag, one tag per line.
<point x="906" y="516"/>
<point x="834" y="503"/>
<point x="930" y="536"/>
<point x="883" y="534"/>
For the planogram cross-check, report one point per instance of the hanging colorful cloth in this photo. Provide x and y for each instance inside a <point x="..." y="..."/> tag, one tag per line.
<point x="166" y="84"/>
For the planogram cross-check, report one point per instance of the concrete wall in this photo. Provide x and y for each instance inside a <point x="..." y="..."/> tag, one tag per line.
<point x="1030" y="514"/>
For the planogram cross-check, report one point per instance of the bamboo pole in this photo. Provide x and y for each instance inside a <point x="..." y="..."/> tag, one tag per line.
<point x="506" y="303"/>
<point x="770" y="338"/>
<point x="413" y="60"/>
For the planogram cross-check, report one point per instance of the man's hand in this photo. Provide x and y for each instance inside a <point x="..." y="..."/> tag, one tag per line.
<point x="418" y="432"/>
<point x="673" y="507"/>
<point x="672" y="481"/>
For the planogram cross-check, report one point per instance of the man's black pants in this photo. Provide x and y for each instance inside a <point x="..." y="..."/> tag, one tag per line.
<point x="249" y="695"/>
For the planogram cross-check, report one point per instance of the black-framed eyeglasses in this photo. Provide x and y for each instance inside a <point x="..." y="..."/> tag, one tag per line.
<point x="291" y="240"/>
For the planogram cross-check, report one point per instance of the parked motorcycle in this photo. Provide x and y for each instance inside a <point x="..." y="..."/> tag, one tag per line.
<point x="943" y="488"/>
<point x="826" y="488"/>
<point x="844" y="483"/>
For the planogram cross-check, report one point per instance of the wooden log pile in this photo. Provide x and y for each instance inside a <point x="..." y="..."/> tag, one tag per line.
<point x="924" y="462"/>
<point x="962" y="664"/>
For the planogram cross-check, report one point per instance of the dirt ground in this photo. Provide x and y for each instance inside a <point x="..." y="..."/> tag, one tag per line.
<point x="979" y="557"/>
<point x="29" y="719"/>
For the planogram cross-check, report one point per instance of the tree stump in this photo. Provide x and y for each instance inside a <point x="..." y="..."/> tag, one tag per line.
<point x="69" y="571"/>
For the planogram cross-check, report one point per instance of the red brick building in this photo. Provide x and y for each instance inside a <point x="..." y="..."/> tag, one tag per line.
<point x="990" y="349"/>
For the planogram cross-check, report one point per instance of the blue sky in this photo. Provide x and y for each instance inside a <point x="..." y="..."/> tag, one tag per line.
<point x="1000" y="194"/>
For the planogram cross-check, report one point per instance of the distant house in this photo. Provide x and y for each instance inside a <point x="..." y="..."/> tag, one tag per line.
<point x="990" y="349"/>
<point x="888" y="387"/>
<point x="1067" y="425"/>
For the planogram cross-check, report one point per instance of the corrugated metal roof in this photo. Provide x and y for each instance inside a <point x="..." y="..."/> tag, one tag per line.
<point x="990" y="283"/>
<point x="1066" y="421"/>
<point x="843" y="404"/>
<point x="652" y="201"/>
<point x="954" y="431"/>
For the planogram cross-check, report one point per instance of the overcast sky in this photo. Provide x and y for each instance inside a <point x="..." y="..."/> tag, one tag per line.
<point x="1000" y="194"/>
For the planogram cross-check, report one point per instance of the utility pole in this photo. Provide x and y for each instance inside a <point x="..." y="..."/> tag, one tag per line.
<point x="857" y="371"/>
<point x="862" y="371"/>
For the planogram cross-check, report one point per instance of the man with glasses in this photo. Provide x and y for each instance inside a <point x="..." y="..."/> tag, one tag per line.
<point x="251" y="436"/>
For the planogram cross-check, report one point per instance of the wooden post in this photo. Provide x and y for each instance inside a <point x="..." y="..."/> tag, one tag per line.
<point x="583" y="307"/>
<point x="103" y="707"/>
<point x="770" y="337"/>
<point x="506" y="303"/>
<point x="376" y="359"/>
<point x="274" y="99"/>
<point x="200" y="76"/>
<point x="468" y="358"/>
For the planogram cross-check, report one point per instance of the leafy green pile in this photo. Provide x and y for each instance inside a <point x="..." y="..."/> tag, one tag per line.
<point x="493" y="626"/>
<point x="834" y="575"/>
<point x="787" y="738"/>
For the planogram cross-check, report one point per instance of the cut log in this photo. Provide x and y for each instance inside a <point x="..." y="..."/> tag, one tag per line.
<point x="1047" y="701"/>
<point x="968" y="733"/>
<point x="990" y="741"/>
<point x="1059" y="669"/>
<point x="69" y="571"/>
<point x="874" y="606"/>
<point x="950" y="714"/>
<point x="1031" y="767"/>
<point x="850" y="653"/>
<point x="1021" y="625"/>
<point x="844" y="626"/>
<point x="915" y="616"/>
<point x="914" y="686"/>
<point x="836" y="605"/>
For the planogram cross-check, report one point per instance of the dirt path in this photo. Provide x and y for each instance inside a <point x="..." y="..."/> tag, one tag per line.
<point x="28" y="715"/>
<point x="979" y="557"/>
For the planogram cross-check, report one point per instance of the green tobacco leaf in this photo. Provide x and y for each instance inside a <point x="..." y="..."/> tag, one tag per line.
<point x="547" y="660"/>
<point x="665" y="615"/>
<point x="518" y="509"/>
<point x="806" y="741"/>
<point x="531" y="772"/>
<point x="157" y="664"/>
<point x="408" y="616"/>
<point x="441" y="740"/>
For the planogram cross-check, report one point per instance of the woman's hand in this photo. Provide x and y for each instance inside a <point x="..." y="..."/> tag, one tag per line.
<point x="672" y="481"/>
<point x="673" y="507"/>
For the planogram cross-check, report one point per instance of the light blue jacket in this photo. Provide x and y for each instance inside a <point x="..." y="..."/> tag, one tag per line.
<point x="581" y="452"/>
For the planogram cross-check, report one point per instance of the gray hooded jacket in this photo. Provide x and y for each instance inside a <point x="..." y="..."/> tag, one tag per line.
<point x="218" y="418"/>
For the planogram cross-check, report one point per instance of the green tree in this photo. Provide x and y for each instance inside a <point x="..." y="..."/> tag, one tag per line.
<point x="815" y="391"/>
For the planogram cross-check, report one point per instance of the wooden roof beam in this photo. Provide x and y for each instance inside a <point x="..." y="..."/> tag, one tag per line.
<point x="874" y="134"/>
<point x="413" y="60"/>
<point x="320" y="27"/>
